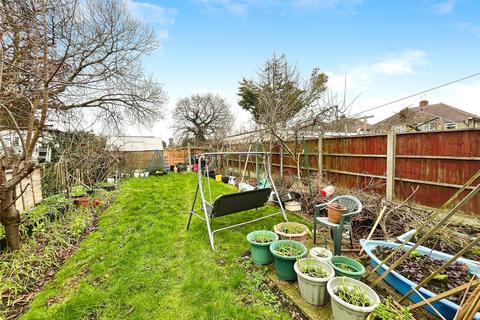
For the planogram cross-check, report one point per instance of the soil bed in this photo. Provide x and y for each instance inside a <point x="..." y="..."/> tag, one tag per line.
<point x="416" y="267"/>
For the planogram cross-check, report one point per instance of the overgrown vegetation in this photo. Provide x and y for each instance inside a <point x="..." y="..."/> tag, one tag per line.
<point x="387" y="310"/>
<point x="47" y="241"/>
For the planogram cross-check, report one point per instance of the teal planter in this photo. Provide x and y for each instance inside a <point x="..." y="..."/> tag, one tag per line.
<point x="261" y="250"/>
<point x="283" y="263"/>
<point x="340" y="271"/>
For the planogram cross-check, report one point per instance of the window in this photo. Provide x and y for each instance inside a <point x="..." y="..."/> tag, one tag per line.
<point x="427" y="127"/>
<point x="450" y="126"/>
<point x="398" y="129"/>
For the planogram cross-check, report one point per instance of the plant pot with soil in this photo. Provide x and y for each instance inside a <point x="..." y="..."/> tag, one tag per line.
<point x="346" y="267"/>
<point x="260" y="242"/>
<point x="285" y="253"/>
<point x="322" y="254"/>
<point x="81" y="202"/>
<point x="335" y="212"/>
<point x="291" y="231"/>
<point x="313" y="275"/>
<point x="351" y="299"/>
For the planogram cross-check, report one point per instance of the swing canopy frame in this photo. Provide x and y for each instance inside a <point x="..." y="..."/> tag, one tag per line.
<point x="234" y="202"/>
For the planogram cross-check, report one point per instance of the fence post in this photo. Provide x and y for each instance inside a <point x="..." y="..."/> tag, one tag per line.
<point x="281" y="162"/>
<point x="320" y="154"/>
<point x="390" y="187"/>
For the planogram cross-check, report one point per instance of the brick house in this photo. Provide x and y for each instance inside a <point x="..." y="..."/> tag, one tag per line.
<point x="428" y="117"/>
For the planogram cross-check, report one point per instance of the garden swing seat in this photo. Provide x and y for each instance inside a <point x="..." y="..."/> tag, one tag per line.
<point x="235" y="202"/>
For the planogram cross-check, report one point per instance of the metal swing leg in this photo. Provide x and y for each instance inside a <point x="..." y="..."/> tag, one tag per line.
<point x="193" y="207"/>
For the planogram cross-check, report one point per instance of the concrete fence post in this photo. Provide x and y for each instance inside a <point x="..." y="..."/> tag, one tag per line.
<point x="390" y="187"/>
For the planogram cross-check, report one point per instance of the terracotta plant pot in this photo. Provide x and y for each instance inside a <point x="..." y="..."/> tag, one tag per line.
<point x="81" y="202"/>
<point x="335" y="212"/>
<point x="96" y="202"/>
<point x="300" y="235"/>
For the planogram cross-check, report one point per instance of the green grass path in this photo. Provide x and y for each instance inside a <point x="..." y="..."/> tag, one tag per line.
<point x="140" y="263"/>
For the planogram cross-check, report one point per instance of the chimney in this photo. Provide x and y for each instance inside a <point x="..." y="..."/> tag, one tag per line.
<point x="423" y="104"/>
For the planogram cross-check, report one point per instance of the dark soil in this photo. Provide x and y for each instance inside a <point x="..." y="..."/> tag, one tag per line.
<point x="416" y="267"/>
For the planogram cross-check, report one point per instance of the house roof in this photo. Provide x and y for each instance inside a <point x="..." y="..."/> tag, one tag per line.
<point x="429" y="112"/>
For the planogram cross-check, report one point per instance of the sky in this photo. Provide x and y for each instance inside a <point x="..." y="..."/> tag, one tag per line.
<point x="384" y="49"/>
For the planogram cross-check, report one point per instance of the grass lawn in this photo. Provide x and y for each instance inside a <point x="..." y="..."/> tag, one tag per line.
<point x="140" y="263"/>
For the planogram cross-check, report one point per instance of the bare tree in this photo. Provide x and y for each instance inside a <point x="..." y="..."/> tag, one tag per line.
<point x="63" y="55"/>
<point x="202" y="118"/>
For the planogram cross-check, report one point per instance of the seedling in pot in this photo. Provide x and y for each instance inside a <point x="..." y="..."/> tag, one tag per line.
<point x="313" y="270"/>
<point x="288" y="250"/>
<point x="321" y="254"/>
<point x="355" y="296"/>
<point x="292" y="228"/>
<point x="263" y="237"/>
<point x="346" y="267"/>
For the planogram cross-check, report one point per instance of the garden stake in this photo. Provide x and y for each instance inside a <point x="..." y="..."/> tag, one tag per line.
<point x="428" y="234"/>
<point x="443" y="295"/>
<point x="375" y="226"/>
<point x="429" y="304"/>
<point x="460" y="307"/>
<point x="429" y="220"/>
<point x="443" y="267"/>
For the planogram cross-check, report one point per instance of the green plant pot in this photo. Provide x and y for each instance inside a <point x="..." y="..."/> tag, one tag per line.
<point x="261" y="251"/>
<point x="339" y="272"/>
<point x="284" y="264"/>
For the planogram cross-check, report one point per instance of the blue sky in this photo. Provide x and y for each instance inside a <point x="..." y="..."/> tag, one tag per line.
<point x="387" y="48"/>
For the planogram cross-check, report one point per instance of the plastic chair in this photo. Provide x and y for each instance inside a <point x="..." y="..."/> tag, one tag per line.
<point x="354" y="207"/>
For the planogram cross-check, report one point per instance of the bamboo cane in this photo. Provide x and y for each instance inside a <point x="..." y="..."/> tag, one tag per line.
<point x="442" y="267"/>
<point x="429" y="220"/>
<point x="429" y="304"/>
<point x="428" y="234"/>
<point x="443" y="295"/>
<point x="460" y="307"/>
<point x="380" y="216"/>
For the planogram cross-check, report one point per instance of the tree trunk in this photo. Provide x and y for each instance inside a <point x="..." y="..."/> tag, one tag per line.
<point x="9" y="215"/>
<point x="10" y="218"/>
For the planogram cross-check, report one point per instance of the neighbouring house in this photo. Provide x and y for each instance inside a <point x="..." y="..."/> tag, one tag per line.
<point x="43" y="149"/>
<point x="428" y="117"/>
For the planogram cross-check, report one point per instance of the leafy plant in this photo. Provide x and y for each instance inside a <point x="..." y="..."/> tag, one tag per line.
<point x="313" y="270"/>
<point x="288" y="249"/>
<point x="387" y="310"/>
<point x="292" y="228"/>
<point x="355" y="295"/>
<point x="417" y="266"/>
<point x="263" y="237"/>
<point x="79" y="191"/>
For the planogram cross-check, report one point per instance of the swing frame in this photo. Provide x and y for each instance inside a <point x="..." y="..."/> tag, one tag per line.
<point x="205" y="204"/>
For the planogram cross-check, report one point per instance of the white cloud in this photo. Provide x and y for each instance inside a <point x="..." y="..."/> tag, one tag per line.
<point x="363" y="76"/>
<point x="241" y="7"/>
<point x="152" y="13"/>
<point x="445" y="7"/>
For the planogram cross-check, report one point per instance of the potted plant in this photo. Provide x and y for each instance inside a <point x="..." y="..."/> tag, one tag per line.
<point x="351" y="299"/>
<point x="335" y="212"/>
<point x="291" y="231"/>
<point x="260" y="242"/>
<point x="346" y="267"/>
<point x="389" y="310"/>
<point x="285" y="253"/>
<point x="313" y="275"/>
<point x="322" y="254"/>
